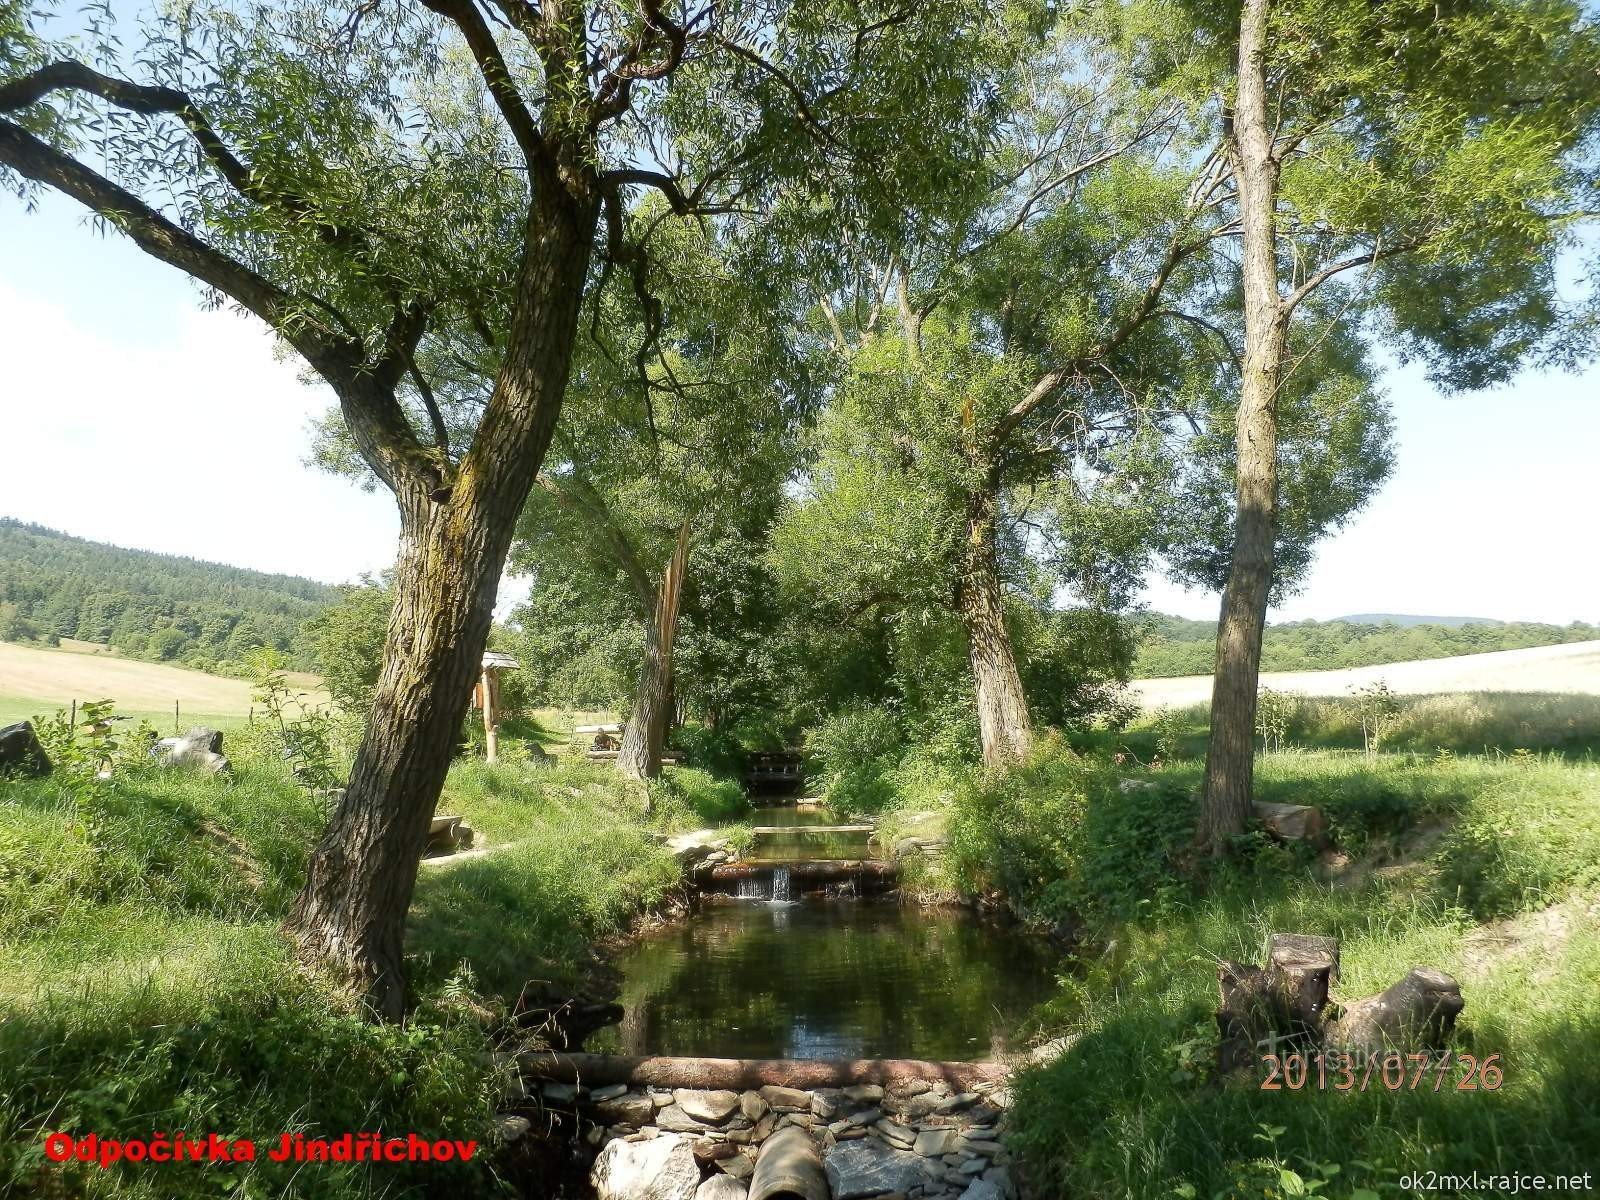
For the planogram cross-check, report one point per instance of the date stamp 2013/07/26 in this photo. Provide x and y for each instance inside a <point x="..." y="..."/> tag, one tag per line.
<point x="1342" y="1072"/>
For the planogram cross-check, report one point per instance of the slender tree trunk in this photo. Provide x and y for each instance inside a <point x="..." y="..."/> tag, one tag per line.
<point x="652" y="707"/>
<point x="1003" y="722"/>
<point x="350" y="916"/>
<point x="1230" y="758"/>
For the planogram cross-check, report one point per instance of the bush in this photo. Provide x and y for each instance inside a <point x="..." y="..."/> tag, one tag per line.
<point x="713" y="750"/>
<point x="687" y="796"/>
<point x="854" y="752"/>
<point x="1066" y="843"/>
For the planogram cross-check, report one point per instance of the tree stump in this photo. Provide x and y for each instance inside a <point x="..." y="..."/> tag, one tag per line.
<point x="1286" y="1006"/>
<point x="1420" y="1010"/>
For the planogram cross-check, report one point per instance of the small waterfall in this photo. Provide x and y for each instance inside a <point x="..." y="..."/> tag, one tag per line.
<point x="781" y="893"/>
<point x="753" y="887"/>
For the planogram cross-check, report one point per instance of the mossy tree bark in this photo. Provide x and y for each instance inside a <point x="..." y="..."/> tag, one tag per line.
<point x="454" y="540"/>
<point x="1004" y="726"/>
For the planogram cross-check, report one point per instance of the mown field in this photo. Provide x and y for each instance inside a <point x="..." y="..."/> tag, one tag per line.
<point x="36" y="680"/>
<point x="1572" y="669"/>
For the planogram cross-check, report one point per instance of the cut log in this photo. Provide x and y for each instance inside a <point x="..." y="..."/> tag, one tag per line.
<point x="1302" y="967"/>
<point x="744" y="1074"/>
<point x="1292" y="822"/>
<point x="1264" y="1011"/>
<point x="802" y="830"/>
<point x="818" y="870"/>
<point x="1249" y="1014"/>
<point x="789" y="1168"/>
<point x="1419" y="1011"/>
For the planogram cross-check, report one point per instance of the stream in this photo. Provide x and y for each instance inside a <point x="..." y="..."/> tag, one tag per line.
<point x="825" y="977"/>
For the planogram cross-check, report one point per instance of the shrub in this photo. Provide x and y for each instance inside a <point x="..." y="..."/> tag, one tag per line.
<point x="1061" y="837"/>
<point x="714" y="750"/>
<point x="854" y="752"/>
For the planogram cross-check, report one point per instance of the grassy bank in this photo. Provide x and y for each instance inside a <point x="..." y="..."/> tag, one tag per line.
<point x="145" y="985"/>
<point x="1484" y="868"/>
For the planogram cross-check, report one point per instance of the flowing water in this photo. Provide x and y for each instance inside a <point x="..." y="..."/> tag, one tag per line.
<point x="827" y="979"/>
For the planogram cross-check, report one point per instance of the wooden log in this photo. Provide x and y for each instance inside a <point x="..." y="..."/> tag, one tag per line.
<point x="1248" y="1013"/>
<point x="740" y="1074"/>
<point x="807" y="829"/>
<point x="814" y="871"/>
<point x="1267" y="1010"/>
<point x="1302" y="967"/>
<point x="1419" y="1011"/>
<point x="1292" y="822"/>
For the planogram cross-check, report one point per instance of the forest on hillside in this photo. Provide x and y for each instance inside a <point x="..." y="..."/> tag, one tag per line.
<point x="159" y="607"/>
<point x="1175" y="646"/>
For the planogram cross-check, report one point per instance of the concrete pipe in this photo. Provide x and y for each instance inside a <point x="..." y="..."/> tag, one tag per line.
<point x="789" y="1168"/>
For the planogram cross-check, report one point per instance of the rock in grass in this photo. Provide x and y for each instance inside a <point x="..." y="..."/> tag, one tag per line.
<point x="662" y="1168"/>
<point x="200" y="748"/>
<point x="21" y="753"/>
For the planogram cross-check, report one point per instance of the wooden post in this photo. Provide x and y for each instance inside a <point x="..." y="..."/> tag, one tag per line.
<point x="174" y="718"/>
<point x="491" y="737"/>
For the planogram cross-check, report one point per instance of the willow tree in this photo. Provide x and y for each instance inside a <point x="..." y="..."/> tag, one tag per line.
<point x="369" y="179"/>
<point x="1020" y="360"/>
<point x="1418" y="163"/>
<point x="651" y="467"/>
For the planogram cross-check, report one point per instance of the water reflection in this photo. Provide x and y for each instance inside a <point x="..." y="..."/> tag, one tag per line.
<point x="797" y="842"/>
<point x="827" y="979"/>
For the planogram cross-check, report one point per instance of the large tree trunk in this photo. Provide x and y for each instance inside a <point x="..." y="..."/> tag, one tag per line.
<point x="350" y="916"/>
<point x="1230" y="758"/>
<point x="1003" y="723"/>
<point x="652" y="706"/>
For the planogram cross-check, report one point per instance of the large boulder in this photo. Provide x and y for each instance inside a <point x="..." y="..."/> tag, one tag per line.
<point x="21" y="753"/>
<point x="200" y="748"/>
<point x="866" y="1167"/>
<point x="661" y="1168"/>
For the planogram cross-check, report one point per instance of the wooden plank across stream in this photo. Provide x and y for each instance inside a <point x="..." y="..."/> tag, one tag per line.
<point x="802" y="829"/>
<point x="600" y="1070"/>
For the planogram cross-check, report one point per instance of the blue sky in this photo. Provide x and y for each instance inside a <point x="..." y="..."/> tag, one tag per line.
<point x="134" y="417"/>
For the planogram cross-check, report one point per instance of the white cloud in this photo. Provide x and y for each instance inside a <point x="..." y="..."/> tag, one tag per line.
<point x="191" y="442"/>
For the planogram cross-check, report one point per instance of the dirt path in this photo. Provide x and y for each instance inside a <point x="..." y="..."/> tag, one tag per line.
<point x="1573" y="668"/>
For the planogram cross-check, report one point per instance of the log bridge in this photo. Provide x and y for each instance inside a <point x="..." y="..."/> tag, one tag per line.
<point x="741" y="1074"/>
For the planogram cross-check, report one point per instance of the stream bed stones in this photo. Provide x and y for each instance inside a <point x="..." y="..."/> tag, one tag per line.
<point x="913" y="1140"/>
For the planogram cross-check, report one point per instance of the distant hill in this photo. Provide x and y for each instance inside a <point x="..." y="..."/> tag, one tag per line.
<point x="1409" y="619"/>
<point x="1175" y="646"/>
<point x="159" y="607"/>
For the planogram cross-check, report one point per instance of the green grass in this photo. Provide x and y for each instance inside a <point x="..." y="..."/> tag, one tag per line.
<point x="1442" y="847"/>
<point x="144" y="983"/>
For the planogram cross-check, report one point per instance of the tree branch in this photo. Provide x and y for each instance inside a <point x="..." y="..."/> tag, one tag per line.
<point x="67" y="75"/>
<point x="502" y="89"/>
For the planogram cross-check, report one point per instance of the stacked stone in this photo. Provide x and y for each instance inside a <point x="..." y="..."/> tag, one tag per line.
<point x="913" y="1140"/>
